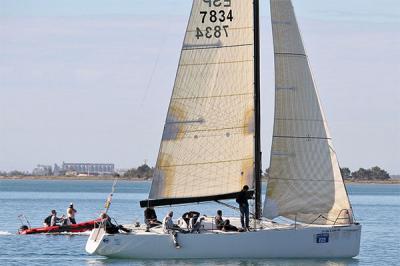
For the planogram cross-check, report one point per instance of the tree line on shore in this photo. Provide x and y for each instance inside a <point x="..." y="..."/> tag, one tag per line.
<point x="13" y="173"/>
<point x="374" y="173"/>
<point x="146" y="172"/>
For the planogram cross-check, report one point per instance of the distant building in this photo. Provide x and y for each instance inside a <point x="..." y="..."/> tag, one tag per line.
<point x="42" y="170"/>
<point x="88" y="168"/>
<point x="57" y="170"/>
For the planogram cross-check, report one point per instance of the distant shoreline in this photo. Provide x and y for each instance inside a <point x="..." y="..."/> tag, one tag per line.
<point x="74" y="178"/>
<point x="103" y="178"/>
<point x="388" y="182"/>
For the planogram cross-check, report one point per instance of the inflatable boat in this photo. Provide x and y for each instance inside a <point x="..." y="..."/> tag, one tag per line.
<point x="73" y="228"/>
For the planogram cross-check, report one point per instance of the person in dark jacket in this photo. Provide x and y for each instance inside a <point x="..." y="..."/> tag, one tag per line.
<point x="150" y="217"/>
<point x="190" y="218"/>
<point x="52" y="219"/>
<point x="222" y="224"/>
<point x="110" y="227"/>
<point x="228" y="227"/>
<point x="242" y="200"/>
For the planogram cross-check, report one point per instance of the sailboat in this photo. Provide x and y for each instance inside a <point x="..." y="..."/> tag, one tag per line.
<point x="210" y="147"/>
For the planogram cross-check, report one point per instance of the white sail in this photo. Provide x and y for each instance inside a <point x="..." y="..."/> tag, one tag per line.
<point x="305" y="182"/>
<point x="207" y="146"/>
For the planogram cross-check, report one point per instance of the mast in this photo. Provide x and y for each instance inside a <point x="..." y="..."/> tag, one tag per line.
<point x="257" y="116"/>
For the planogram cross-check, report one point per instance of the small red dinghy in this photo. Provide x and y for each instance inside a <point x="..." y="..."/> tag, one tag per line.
<point x="73" y="228"/>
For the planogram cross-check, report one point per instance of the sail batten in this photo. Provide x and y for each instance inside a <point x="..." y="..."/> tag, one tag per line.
<point x="207" y="147"/>
<point x="200" y="163"/>
<point x="188" y="47"/>
<point x="305" y="183"/>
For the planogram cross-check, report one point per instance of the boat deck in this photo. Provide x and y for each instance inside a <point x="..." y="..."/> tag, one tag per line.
<point x="208" y="226"/>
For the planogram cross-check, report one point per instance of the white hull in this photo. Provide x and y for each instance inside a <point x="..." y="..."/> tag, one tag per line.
<point x="276" y="242"/>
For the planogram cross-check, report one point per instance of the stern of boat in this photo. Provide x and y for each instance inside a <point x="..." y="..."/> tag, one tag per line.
<point x="355" y="231"/>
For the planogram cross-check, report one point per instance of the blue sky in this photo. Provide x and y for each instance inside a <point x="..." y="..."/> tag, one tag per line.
<point x="363" y="10"/>
<point x="91" y="80"/>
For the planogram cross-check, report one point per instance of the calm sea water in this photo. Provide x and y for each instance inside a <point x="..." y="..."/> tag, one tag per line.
<point x="377" y="207"/>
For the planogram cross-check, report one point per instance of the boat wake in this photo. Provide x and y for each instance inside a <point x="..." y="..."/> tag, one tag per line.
<point x="86" y="233"/>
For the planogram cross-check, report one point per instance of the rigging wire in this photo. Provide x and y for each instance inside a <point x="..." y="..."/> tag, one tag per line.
<point x="23" y="218"/>
<point x="150" y="81"/>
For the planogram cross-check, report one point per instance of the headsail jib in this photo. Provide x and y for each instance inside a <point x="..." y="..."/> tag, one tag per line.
<point x="305" y="182"/>
<point x="207" y="147"/>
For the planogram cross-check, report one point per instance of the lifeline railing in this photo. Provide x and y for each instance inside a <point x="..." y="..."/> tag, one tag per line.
<point x="339" y="218"/>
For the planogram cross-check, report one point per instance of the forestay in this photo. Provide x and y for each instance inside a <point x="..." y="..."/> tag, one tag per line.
<point x="207" y="147"/>
<point x="305" y="182"/>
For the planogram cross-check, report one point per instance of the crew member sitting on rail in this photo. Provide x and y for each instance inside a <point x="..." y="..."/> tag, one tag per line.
<point x="219" y="222"/>
<point x="228" y="227"/>
<point x="170" y="228"/>
<point x="110" y="227"/>
<point x="150" y="217"/>
<point x="224" y="225"/>
<point x="52" y="219"/>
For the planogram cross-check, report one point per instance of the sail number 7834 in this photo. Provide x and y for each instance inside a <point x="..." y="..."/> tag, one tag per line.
<point x="210" y="32"/>
<point x="215" y="16"/>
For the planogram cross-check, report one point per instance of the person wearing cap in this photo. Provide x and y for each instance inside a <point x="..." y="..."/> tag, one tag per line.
<point x="71" y="213"/>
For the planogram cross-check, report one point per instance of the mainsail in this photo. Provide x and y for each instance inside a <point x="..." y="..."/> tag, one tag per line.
<point x="305" y="183"/>
<point x="207" y="147"/>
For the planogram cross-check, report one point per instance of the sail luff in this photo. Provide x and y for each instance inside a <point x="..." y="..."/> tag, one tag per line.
<point x="156" y="182"/>
<point x="305" y="181"/>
